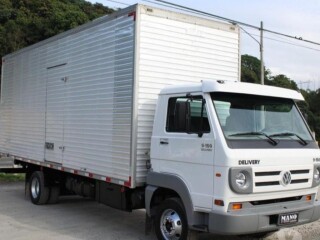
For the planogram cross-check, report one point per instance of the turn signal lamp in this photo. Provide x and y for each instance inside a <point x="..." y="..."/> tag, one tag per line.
<point x="236" y="206"/>
<point x="308" y="198"/>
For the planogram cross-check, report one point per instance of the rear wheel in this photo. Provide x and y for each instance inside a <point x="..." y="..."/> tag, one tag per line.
<point x="39" y="192"/>
<point x="54" y="194"/>
<point x="170" y="220"/>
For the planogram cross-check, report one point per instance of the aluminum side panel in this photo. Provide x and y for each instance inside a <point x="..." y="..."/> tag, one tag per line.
<point x="22" y="108"/>
<point x="175" y="49"/>
<point x="97" y="122"/>
<point x="96" y="98"/>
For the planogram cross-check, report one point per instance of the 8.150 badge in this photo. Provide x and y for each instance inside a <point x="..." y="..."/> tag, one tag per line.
<point x="206" y="147"/>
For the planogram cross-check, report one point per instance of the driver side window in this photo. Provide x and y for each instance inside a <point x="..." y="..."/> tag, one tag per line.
<point x="184" y="115"/>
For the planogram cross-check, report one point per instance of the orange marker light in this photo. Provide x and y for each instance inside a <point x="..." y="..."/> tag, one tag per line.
<point x="308" y="198"/>
<point x="218" y="202"/>
<point x="236" y="206"/>
<point x="218" y="174"/>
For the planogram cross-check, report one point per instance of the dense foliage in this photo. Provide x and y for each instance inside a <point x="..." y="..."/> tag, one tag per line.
<point x="250" y="72"/>
<point x="24" y="22"/>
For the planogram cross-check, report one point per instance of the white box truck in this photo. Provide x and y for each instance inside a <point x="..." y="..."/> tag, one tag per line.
<point x="91" y="112"/>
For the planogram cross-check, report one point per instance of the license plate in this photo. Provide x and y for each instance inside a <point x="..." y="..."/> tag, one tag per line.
<point x="288" y="218"/>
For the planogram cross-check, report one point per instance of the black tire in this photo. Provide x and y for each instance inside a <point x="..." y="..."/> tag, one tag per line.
<point x="171" y="213"/>
<point x="54" y="194"/>
<point x="39" y="192"/>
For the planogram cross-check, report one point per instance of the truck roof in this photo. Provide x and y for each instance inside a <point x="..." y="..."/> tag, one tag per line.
<point x="234" y="87"/>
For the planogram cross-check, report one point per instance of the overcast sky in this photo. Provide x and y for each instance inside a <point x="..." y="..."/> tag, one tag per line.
<point x="293" y="17"/>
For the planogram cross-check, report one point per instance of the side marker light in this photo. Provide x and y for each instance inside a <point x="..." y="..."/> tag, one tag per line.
<point x="218" y="202"/>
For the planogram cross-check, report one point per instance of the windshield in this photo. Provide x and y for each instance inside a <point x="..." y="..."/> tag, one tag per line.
<point x="244" y="116"/>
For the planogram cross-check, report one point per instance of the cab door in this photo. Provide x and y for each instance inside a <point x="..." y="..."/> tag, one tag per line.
<point x="185" y="146"/>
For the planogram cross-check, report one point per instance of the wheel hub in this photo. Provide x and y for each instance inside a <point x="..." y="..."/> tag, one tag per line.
<point x="171" y="225"/>
<point x="35" y="187"/>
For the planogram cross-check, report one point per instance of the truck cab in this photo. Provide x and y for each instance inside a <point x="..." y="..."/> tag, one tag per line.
<point x="230" y="158"/>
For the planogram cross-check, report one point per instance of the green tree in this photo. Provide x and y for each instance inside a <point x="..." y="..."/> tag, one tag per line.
<point x="283" y="81"/>
<point x="251" y="70"/>
<point x="312" y="99"/>
<point x="25" y="22"/>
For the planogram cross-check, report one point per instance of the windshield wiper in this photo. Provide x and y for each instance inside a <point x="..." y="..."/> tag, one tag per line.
<point x="289" y="134"/>
<point x="271" y="140"/>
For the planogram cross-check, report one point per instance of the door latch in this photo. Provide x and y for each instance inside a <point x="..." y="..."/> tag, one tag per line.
<point x="164" y="141"/>
<point x="62" y="148"/>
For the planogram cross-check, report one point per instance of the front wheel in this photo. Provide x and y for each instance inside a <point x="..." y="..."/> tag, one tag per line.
<point x="170" y="220"/>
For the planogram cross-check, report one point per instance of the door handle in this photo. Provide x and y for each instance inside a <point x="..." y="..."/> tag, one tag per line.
<point x="164" y="141"/>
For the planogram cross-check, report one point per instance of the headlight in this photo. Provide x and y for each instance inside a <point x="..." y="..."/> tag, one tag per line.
<point x="240" y="180"/>
<point x="316" y="175"/>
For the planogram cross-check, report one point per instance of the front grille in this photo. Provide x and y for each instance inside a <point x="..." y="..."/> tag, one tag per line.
<point x="299" y="181"/>
<point x="273" y="177"/>
<point x="261" y="174"/>
<point x="261" y="184"/>
<point x="300" y="171"/>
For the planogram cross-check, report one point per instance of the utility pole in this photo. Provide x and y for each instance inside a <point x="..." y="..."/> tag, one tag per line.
<point x="261" y="53"/>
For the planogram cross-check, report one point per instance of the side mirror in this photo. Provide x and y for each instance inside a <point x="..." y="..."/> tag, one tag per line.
<point x="200" y="133"/>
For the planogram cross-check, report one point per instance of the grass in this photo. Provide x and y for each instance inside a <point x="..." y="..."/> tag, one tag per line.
<point x="16" y="177"/>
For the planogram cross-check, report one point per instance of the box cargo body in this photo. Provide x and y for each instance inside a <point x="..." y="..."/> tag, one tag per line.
<point x="84" y="101"/>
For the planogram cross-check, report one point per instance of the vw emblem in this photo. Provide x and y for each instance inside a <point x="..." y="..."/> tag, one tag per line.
<point x="285" y="178"/>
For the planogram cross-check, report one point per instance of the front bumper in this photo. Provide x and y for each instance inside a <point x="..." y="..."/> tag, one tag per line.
<point x="261" y="219"/>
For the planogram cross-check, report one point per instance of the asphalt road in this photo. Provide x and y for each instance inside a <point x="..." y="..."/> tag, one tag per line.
<point x="75" y="218"/>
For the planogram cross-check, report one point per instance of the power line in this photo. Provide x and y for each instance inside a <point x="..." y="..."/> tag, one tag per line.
<point x="282" y="41"/>
<point x="208" y="14"/>
<point x="294" y="37"/>
<point x="126" y="4"/>
<point x="191" y="10"/>
<point x="250" y="35"/>
<point x="293" y="44"/>
<point x="172" y="7"/>
<point x="238" y="22"/>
